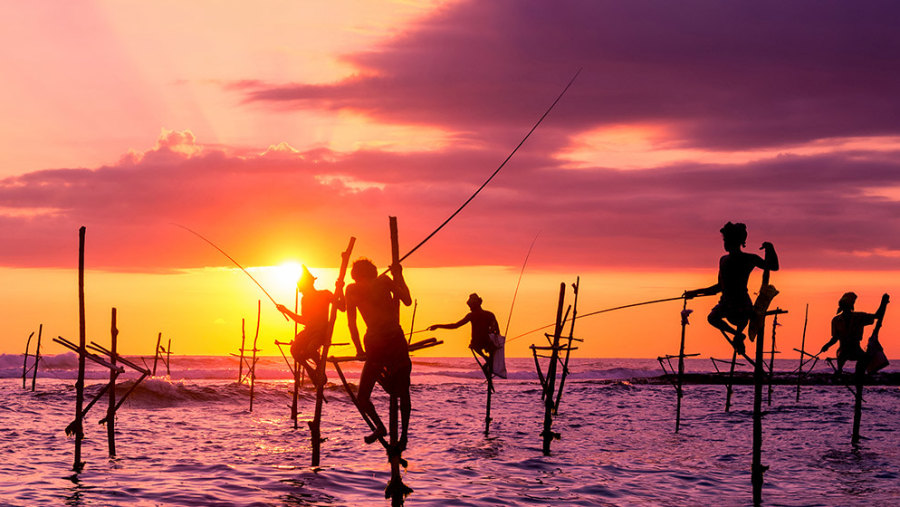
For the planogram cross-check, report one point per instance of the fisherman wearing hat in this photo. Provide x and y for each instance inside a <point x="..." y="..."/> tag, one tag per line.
<point x="314" y="306"/>
<point x="847" y="330"/>
<point x="735" y="306"/>
<point x="484" y="324"/>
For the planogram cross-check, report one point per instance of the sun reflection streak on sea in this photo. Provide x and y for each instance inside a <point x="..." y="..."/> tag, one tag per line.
<point x="194" y="442"/>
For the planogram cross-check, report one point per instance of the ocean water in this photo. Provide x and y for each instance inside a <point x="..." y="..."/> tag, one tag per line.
<point x="190" y="439"/>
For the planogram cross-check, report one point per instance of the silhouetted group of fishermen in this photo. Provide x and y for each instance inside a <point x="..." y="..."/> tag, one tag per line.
<point x="384" y="348"/>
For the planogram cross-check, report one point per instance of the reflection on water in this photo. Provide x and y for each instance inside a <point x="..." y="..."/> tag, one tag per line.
<point x="618" y="447"/>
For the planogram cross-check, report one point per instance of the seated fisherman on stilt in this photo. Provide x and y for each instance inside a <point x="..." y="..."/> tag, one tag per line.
<point x="314" y="309"/>
<point x="847" y="330"/>
<point x="735" y="305"/>
<point x="386" y="352"/>
<point x="484" y="324"/>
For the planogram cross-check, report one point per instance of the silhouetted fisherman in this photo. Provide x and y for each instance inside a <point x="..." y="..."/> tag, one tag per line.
<point x="314" y="306"/>
<point x="484" y="324"/>
<point x="847" y="330"/>
<point x="735" y="304"/>
<point x="386" y="352"/>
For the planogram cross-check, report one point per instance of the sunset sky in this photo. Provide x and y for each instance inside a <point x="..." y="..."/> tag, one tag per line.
<point x="280" y="129"/>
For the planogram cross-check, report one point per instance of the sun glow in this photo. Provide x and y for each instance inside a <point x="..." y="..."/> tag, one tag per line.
<point x="281" y="279"/>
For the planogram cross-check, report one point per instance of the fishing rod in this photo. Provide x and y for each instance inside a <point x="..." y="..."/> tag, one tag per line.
<point x="236" y="263"/>
<point x="541" y="119"/>
<point x="610" y="310"/>
<point x="516" y="292"/>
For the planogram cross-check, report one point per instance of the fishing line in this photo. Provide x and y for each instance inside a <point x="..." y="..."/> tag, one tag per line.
<point x="606" y="311"/>
<point x="495" y="171"/>
<point x="516" y="292"/>
<point x="236" y="263"/>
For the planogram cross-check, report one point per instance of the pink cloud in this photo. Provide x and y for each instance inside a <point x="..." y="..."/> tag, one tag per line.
<point x="818" y="210"/>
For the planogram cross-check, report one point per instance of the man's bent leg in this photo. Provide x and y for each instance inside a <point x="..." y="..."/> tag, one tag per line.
<point x="367" y="380"/>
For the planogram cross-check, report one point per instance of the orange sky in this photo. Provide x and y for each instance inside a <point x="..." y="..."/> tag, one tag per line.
<point x="280" y="129"/>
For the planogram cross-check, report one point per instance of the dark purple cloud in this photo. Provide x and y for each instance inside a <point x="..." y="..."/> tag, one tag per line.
<point x="725" y="75"/>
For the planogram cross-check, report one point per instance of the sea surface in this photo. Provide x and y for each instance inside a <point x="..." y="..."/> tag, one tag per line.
<point x="190" y="438"/>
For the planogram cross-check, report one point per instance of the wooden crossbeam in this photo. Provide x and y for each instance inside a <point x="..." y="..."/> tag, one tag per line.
<point x="93" y="357"/>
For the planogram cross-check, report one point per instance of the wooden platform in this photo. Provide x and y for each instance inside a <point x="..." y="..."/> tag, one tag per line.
<point x="746" y="378"/>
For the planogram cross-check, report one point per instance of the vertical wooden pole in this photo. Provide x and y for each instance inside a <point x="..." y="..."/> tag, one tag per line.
<point x="169" y="358"/>
<point x="395" y="240"/>
<point x="156" y="352"/>
<point x="489" y="372"/>
<point x="243" y="345"/>
<point x="857" y="407"/>
<point x="113" y="374"/>
<point x="860" y="376"/>
<point x="551" y="374"/>
<point x="394" y="403"/>
<point x="37" y="358"/>
<point x="729" y="387"/>
<point x="562" y="379"/>
<point x="757" y="469"/>
<point x="79" y="384"/>
<point x="540" y="373"/>
<point x="412" y="323"/>
<point x="295" y="396"/>
<point x="25" y="361"/>
<point x="394" y="423"/>
<point x="253" y="361"/>
<point x="679" y="391"/>
<point x="315" y="426"/>
<point x="802" y="349"/>
<point x="772" y="361"/>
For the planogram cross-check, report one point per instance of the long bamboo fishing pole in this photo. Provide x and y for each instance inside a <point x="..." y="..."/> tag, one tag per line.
<point x="541" y="119"/>
<point x="236" y="263"/>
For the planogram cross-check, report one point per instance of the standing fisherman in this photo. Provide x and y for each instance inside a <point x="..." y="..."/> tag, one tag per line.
<point x="313" y="316"/>
<point x="386" y="352"/>
<point x="735" y="305"/>
<point x="484" y="324"/>
<point x="847" y="330"/>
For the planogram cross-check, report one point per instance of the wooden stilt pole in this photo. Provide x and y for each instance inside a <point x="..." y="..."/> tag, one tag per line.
<point x="565" y="369"/>
<point x="489" y="373"/>
<point x="241" y="360"/>
<point x="156" y="352"/>
<point x="82" y="339"/>
<point x="37" y="358"/>
<point x="776" y="313"/>
<point x="295" y="369"/>
<point x="729" y="387"/>
<point x="679" y="390"/>
<point x="412" y="323"/>
<point x="253" y="361"/>
<point x="860" y="376"/>
<point x="757" y="468"/>
<point x="540" y="372"/>
<point x="394" y="454"/>
<point x="169" y="358"/>
<point x="802" y="351"/>
<point x="25" y="361"/>
<point x="315" y="426"/>
<point x="113" y="374"/>
<point x="548" y="434"/>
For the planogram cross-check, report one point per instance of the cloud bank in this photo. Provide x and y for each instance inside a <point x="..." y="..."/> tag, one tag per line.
<point x="780" y="115"/>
